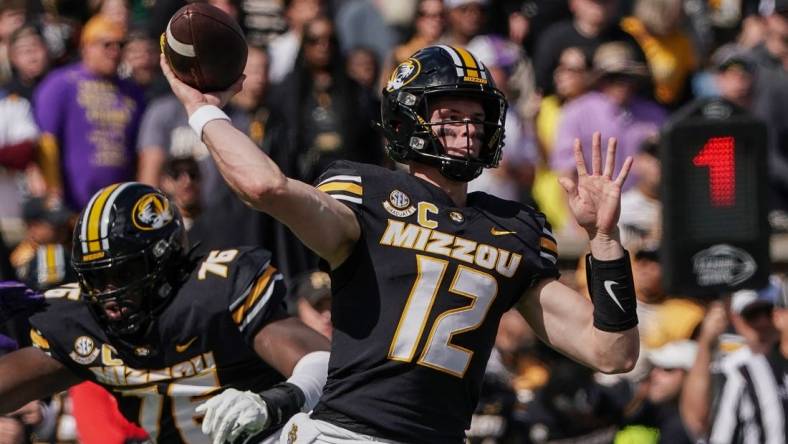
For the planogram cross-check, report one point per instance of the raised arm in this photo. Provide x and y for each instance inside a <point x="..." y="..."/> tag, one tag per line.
<point x="29" y="374"/>
<point x="696" y="394"/>
<point x="259" y="182"/>
<point x="601" y="333"/>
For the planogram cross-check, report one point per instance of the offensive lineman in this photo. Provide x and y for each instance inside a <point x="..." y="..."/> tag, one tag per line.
<point x="421" y="270"/>
<point x="165" y="331"/>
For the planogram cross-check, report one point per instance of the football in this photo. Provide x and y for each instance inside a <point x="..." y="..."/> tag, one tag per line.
<point x="205" y="47"/>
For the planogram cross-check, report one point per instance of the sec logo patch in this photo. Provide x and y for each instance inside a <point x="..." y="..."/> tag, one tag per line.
<point x="85" y="350"/>
<point x="399" y="204"/>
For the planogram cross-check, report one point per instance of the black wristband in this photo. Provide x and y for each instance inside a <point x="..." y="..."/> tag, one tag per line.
<point x="612" y="292"/>
<point x="283" y="401"/>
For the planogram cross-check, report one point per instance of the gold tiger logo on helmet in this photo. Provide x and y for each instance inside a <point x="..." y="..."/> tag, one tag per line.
<point x="151" y="212"/>
<point x="403" y="74"/>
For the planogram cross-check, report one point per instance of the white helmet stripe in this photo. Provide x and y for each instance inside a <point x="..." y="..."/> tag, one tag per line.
<point x="83" y="232"/>
<point x="481" y="66"/>
<point x="41" y="264"/>
<point x="455" y="57"/>
<point x="60" y="267"/>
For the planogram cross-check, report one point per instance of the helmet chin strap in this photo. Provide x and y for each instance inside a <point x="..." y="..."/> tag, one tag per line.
<point x="454" y="168"/>
<point x="459" y="171"/>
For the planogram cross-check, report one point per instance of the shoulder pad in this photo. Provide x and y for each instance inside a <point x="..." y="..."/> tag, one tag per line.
<point x="342" y="181"/>
<point x="64" y="318"/>
<point x="245" y="284"/>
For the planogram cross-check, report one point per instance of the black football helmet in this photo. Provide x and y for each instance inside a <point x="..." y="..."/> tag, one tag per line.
<point x="434" y="72"/>
<point x="129" y="248"/>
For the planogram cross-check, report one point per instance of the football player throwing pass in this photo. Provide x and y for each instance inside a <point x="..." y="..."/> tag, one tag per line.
<point x="422" y="270"/>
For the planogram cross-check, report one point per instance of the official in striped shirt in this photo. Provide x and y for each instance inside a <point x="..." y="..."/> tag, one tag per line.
<point x="754" y="402"/>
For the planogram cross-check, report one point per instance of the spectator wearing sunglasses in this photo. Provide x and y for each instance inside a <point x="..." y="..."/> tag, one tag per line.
<point x="428" y="25"/>
<point x="656" y="418"/>
<point x="181" y="181"/>
<point x="327" y="114"/>
<point x="89" y="118"/>
<point x="613" y="108"/>
<point x="465" y="19"/>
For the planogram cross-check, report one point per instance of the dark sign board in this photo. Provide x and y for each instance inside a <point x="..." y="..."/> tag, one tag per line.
<point x="716" y="232"/>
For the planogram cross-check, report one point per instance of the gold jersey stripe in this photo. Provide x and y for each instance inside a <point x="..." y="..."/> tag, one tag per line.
<point x="38" y="340"/>
<point x="471" y="68"/>
<point x="254" y="295"/>
<point x="94" y="219"/>
<point x="349" y="187"/>
<point x="51" y="258"/>
<point x="548" y="244"/>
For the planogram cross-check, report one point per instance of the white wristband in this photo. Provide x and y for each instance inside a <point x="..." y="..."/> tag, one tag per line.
<point x="205" y="114"/>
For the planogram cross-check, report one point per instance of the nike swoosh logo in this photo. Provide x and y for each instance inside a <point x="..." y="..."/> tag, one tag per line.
<point x="496" y="232"/>
<point x="180" y="348"/>
<point x="609" y="289"/>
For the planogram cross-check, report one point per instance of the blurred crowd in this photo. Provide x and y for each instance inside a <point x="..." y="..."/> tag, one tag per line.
<point x="83" y="104"/>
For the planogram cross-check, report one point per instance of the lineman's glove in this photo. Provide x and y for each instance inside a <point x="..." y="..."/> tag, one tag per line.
<point x="233" y="413"/>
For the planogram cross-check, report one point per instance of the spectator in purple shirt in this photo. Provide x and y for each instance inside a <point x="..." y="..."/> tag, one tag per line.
<point x="613" y="108"/>
<point x="89" y="118"/>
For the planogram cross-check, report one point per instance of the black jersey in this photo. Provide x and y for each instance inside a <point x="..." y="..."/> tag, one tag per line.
<point x="416" y="305"/>
<point x="200" y="343"/>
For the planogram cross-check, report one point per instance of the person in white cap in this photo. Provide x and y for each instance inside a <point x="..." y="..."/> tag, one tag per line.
<point x="659" y="414"/>
<point x="466" y="18"/>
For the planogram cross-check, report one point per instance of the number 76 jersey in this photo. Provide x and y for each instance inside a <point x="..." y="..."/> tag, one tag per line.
<point x="200" y="343"/>
<point x="416" y="305"/>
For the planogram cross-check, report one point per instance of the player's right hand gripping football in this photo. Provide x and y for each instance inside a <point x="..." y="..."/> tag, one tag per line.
<point x="191" y="97"/>
<point x="233" y="414"/>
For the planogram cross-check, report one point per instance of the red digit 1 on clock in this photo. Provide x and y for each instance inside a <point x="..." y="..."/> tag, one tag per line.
<point x="718" y="155"/>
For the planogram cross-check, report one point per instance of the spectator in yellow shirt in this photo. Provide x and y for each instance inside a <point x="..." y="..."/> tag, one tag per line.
<point x="671" y="57"/>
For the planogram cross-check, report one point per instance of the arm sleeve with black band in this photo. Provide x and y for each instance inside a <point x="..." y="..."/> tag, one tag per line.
<point x="300" y="392"/>
<point x="612" y="292"/>
<point x="282" y="401"/>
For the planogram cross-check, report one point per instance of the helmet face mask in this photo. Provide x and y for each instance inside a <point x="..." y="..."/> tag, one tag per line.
<point x="114" y="276"/>
<point x="432" y="74"/>
<point x="128" y="244"/>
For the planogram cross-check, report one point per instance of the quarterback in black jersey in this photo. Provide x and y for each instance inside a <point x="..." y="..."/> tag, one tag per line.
<point x="421" y="270"/>
<point x="165" y="331"/>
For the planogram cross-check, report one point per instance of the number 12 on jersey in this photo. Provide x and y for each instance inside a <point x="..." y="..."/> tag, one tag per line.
<point x="439" y="353"/>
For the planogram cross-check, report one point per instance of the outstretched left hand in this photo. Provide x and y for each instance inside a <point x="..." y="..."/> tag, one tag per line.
<point x="595" y="199"/>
